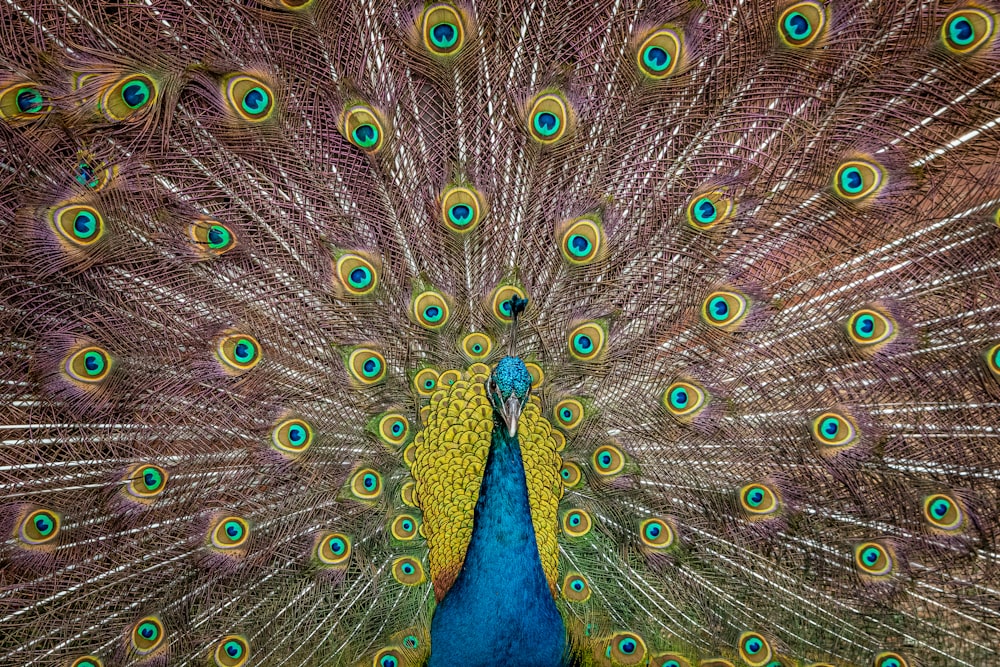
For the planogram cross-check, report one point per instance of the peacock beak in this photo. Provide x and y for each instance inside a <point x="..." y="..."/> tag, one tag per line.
<point x="510" y="414"/>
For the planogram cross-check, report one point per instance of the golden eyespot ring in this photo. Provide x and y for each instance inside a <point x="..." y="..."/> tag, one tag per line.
<point x="430" y="310"/>
<point x="608" y="460"/>
<point x="856" y="180"/>
<point x="250" y="97"/>
<point x="536" y="373"/>
<point x="660" y="53"/>
<point x="410" y="455"/>
<point x="724" y="310"/>
<point x="79" y="225"/>
<point x="426" y="381"/>
<point x="232" y="651"/>
<point x="238" y="353"/>
<point x="366" y="366"/>
<point x="581" y="242"/>
<point x="627" y="648"/>
<point x="394" y="428"/>
<point x="501" y="302"/>
<point x="586" y="341"/>
<point x="363" y="127"/>
<point x="869" y="328"/>
<point x="333" y="548"/>
<point x="568" y="413"/>
<point x="461" y="208"/>
<point x="407" y="493"/>
<point x="404" y="527"/>
<point x="230" y="532"/>
<point x="211" y="236"/>
<point x="684" y="400"/>
<point x="89" y="365"/>
<point x="357" y="276"/>
<point x="758" y="500"/>
<point x="23" y="102"/>
<point x="570" y="474"/>
<point x="754" y="649"/>
<point x="873" y="559"/>
<point x="39" y="527"/>
<point x="943" y="512"/>
<point x="575" y="587"/>
<point x="576" y="523"/>
<point x="477" y="346"/>
<point x="559" y="438"/>
<point x="710" y="209"/>
<point x="548" y="118"/>
<point x="966" y="30"/>
<point x="389" y="657"/>
<point x="147" y="635"/>
<point x="129" y="98"/>
<point x="292" y="436"/>
<point x="145" y="482"/>
<point x="408" y="571"/>
<point x="832" y="429"/>
<point x="890" y="659"/>
<point x="442" y="29"/>
<point x="802" y="24"/>
<point x="366" y="484"/>
<point x="992" y="359"/>
<point x="656" y="533"/>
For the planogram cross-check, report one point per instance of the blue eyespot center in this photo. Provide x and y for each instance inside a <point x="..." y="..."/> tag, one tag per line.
<point x="366" y="135"/>
<point x="85" y="175"/>
<point x="851" y="180"/>
<point x="337" y="546"/>
<point x="755" y="497"/>
<point x="29" y="100"/>
<point x="233" y="649"/>
<point x="679" y="398"/>
<point x="432" y="313"/>
<point x="797" y="26"/>
<point x="605" y="460"/>
<point x="444" y="35"/>
<point x="575" y="519"/>
<point x="369" y="481"/>
<point x="84" y="224"/>
<point x="546" y="123"/>
<point x="43" y="524"/>
<point x="460" y="214"/>
<point x="135" y="94"/>
<point x="218" y="236"/>
<point x="234" y="530"/>
<point x="961" y="31"/>
<point x="718" y="308"/>
<point x="940" y="507"/>
<point x="243" y="350"/>
<point x="371" y="367"/>
<point x="753" y="646"/>
<point x="255" y="101"/>
<point x="865" y="326"/>
<point x="871" y="555"/>
<point x="411" y="642"/>
<point x="583" y="342"/>
<point x="656" y="58"/>
<point x="93" y="362"/>
<point x="148" y="631"/>
<point x="705" y="211"/>
<point x="627" y="646"/>
<point x="579" y="245"/>
<point x="407" y="568"/>
<point x="652" y="531"/>
<point x="830" y="427"/>
<point x="360" y="277"/>
<point x="397" y="428"/>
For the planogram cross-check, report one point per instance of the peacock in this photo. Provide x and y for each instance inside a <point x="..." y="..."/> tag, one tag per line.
<point x="541" y="333"/>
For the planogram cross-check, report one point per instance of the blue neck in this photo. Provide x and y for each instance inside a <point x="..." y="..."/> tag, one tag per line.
<point x="500" y="610"/>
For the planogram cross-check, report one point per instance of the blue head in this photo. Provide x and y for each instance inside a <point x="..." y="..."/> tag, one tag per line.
<point x="508" y="389"/>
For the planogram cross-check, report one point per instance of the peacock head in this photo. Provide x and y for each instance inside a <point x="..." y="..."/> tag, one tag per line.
<point x="508" y="388"/>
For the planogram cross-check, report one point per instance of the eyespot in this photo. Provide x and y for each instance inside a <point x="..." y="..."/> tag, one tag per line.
<point x="79" y="225"/>
<point x="709" y="209"/>
<point x="87" y="661"/>
<point x="461" y="208"/>
<point x="890" y="659"/>
<point x="659" y="54"/>
<point x="500" y="301"/>
<point x="586" y="342"/>
<point x="128" y="98"/>
<point x="754" y="649"/>
<point x="802" y="23"/>
<point x="758" y="500"/>
<point x="831" y="429"/>
<point x="404" y="527"/>
<point x="92" y="176"/>
<point x="868" y="328"/>
<point x="724" y="310"/>
<point x="231" y="532"/>
<point x="292" y="436"/>
<point x="559" y="438"/>
<point x="430" y="310"/>
<point x="388" y="657"/>
<point x="575" y="587"/>
<point x="238" y="353"/>
<point x="249" y="97"/>
<point x="627" y="648"/>
<point x="442" y="29"/>
<point x="943" y="512"/>
<point x="656" y="533"/>
<point x="856" y="180"/>
<point x="212" y="236"/>
<point x="408" y="571"/>
<point x="146" y="482"/>
<point x="581" y="242"/>
<point x="873" y="559"/>
<point x="684" y="400"/>
<point x="608" y="460"/>
<point x="232" y="651"/>
<point x="362" y="127"/>
<point x="536" y="373"/>
<point x="477" y="346"/>
<point x="333" y="549"/>
<point x="966" y="30"/>
<point x="357" y="276"/>
<point x="426" y="381"/>
<point x="89" y="365"/>
<point x="548" y="118"/>
<point x="147" y="635"/>
<point x="568" y="413"/>
<point x="366" y="366"/>
<point x="576" y="523"/>
<point x="22" y="101"/>
<point x="992" y="359"/>
<point x="570" y="474"/>
<point x="366" y="484"/>
<point x="668" y="660"/>
<point x="407" y="493"/>
<point x="394" y="429"/>
<point x="39" y="527"/>
<point x="448" y="378"/>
